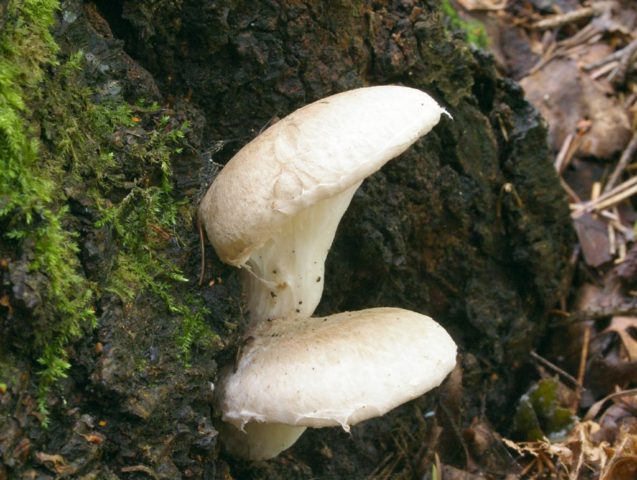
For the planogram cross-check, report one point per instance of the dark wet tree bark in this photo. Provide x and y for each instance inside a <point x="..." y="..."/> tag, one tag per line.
<point x="470" y="226"/>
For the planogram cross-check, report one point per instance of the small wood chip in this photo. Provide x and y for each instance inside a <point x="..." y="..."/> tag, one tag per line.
<point x="140" y="468"/>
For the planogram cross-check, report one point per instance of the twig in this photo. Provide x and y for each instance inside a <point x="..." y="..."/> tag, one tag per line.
<point x="611" y="240"/>
<point x="603" y="61"/>
<point x="604" y="70"/>
<point x="528" y="467"/>
<point x="618" y="75"/>
<point x="615" y="56"/>
<point x="586" y="35"/>
<point x="569" y="191"/>
<point x="615" y="221"/>
<point x="554" y="367"/>
<point x="596" y="190"/>
<point x="547" y="56"/>
<point x="626" y="157"/>
<point x="458" y="433"/>
<point x="566" y="18"/>
<point x="613" y="197"/>
<point x="582" y="367"/>
<point x="563" y="158"/>
<point x="621" y="255"/>
<point x="571" y="146"/>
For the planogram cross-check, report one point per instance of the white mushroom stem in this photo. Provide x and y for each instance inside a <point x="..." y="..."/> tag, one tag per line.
<point x="285" y="276"/>
<point x="258" y="441"/>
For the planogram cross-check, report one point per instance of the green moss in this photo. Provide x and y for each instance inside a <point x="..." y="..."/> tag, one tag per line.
<point x="120" y="154"/>
<point x="144" y="221"/>
<point x="473" y="29"/>
<point x="56" y="142"/>
<point x="539" y="413"/>
<point x="31" y="204"/>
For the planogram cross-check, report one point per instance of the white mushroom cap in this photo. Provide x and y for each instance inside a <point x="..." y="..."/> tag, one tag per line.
<point x="336" y="370"/>
<point x="276" y="205"/>
<point x="310" y="155"/>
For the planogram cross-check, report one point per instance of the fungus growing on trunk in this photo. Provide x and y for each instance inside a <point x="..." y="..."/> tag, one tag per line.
<point x="275" y="207"/>
<point x="274" y="210"/>
<point x="327" y="371"/>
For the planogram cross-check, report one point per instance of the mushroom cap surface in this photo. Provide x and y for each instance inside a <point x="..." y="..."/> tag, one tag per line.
<point x="336" y="370"/>
<point x="312" y="154"/>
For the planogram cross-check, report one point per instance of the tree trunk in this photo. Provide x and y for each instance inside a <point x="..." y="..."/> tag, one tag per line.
<point x="470" y="226"/>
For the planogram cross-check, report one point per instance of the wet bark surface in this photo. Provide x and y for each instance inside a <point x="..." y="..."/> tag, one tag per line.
<point x="469" y="226"/>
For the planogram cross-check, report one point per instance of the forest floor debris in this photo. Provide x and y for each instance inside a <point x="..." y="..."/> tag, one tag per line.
<point x="577" y="62"/>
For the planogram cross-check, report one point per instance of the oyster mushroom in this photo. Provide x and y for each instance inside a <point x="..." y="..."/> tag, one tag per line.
<point x="331" y="371"/>
<point x="274" y="209"/>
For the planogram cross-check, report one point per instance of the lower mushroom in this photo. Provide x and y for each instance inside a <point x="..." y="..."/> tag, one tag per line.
<point x="319" y="372"/>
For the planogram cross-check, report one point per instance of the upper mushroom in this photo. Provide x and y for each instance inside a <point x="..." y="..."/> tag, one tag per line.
<point x="275" y="207"/>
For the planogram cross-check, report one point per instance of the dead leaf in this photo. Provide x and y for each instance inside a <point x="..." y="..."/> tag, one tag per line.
<point x="621" y="326"/>
<point x="592" y="233"/>
<point x="22" y="449"/>
<point x="94" y="438"/>
<point x="597" y="406"/>
<point x="623" y="464"/>
<point x="605" y="373"/>
<point x="625" y="468"/>
<point x="575" y="454"/>
<point x="56" y="463"/>
<point x="564" y="97"/>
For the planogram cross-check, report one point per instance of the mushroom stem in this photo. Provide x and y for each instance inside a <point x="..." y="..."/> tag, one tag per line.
<point x="258" y="441"/>
<point x="284" y="277"/>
